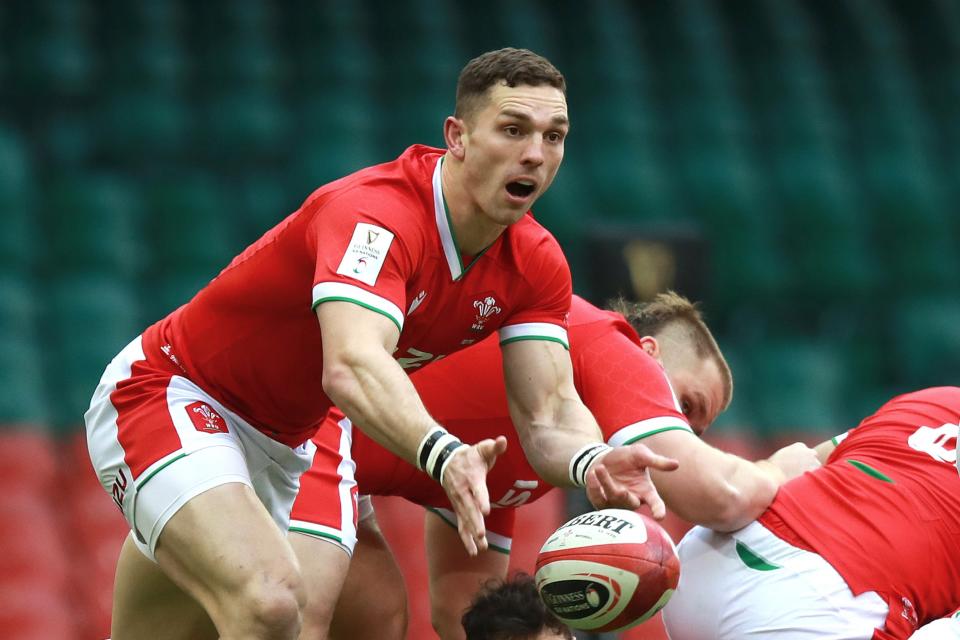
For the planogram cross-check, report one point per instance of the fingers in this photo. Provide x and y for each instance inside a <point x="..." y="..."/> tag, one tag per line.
<point x="470" y="523"/>
<point x="465" y="484"/>
<point x="657" y="507"/>
<point x="489" y="449"/>
<point x="615" y="493"/>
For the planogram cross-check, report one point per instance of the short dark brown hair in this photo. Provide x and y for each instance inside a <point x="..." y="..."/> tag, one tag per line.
<point x="668" y="310"/>
<point x="510" y="610"/>
<point x="511" y="66"/>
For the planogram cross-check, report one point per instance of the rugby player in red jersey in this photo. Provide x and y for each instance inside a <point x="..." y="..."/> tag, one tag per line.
<point x="201" y="427"/>
<point x="863" y="548"/>
<point x="652" y="373"/>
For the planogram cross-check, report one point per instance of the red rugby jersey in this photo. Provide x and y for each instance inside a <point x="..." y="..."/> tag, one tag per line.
<point x="885" y="509"/>
<point x="380" y="238"/>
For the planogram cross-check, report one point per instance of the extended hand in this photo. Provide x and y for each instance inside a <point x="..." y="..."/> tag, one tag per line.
<point x="621" y="479"/>
<point x="465" y="481"/>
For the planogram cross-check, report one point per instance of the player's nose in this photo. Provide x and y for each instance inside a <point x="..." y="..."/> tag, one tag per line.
<point x="533" y="151"/>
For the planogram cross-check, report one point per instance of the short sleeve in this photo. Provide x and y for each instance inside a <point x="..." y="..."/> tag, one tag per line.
<point x="543" y="313"/>
<point x="363" y="253"/>
<point x="626" y="390"/>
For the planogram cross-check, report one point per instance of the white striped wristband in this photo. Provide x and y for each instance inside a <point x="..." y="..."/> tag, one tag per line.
<point x="435" y="450"/>
<point x="582" y="459"/>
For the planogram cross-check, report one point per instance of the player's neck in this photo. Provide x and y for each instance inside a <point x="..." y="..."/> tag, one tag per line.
<point x="472" y="228"/>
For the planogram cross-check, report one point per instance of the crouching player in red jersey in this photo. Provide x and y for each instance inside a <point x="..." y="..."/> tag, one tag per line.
<point x="201" y="427"/>
<point x="865" y="547"/>
<point x="653" y="374"/>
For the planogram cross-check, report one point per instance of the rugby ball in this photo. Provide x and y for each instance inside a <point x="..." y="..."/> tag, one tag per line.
<point x="607" y="570"/>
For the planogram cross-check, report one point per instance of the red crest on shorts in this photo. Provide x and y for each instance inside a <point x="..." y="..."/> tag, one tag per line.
<point x="205" y="419"/>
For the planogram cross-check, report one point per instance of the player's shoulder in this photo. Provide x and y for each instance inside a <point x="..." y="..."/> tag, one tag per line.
<point x="589" y="323"/>
<point x="529" y="229"/>
<point x="934" y="404"/>
<point x="398" y="192"/>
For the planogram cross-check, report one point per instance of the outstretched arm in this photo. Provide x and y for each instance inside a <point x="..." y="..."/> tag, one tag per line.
<point x="369" y="386"/>
<point x="720" y="490"/>
<point x="560" y="437"/>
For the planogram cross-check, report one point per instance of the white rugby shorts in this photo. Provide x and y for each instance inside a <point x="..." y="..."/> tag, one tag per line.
<point x="942" y="629"/>
<point x="157" y="440"/>
<point x="752" y="584"/>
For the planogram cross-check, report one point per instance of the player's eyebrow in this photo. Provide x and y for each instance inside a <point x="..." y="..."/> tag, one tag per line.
<point x="558" y="120"/>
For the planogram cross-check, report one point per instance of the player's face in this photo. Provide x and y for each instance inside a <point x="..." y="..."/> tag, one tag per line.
<point x="513" y="147"/>
<point x="699" y="388"/>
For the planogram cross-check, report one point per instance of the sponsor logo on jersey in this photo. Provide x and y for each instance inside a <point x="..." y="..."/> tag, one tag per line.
<point x="205" y="419"/>
<point x="168" y="351"/>
<point x="416" y="302"/>
<point x="909" y="613"/>
<point x="366" y="253"/>
<point x="486" y="309"/>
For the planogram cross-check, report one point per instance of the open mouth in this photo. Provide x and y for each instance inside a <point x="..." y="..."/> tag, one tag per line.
<point x="521" y="188"/>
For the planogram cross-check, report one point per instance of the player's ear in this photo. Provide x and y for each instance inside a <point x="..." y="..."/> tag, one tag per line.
<point x="650" y="346"/>
<point x="454" y="134"/>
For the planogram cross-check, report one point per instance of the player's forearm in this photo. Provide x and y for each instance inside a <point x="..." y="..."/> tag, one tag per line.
<point x="717" y="490"/>
<point x="378" y="397"/>
<point x="551" y="438"/>
<point x="751" y="487"/>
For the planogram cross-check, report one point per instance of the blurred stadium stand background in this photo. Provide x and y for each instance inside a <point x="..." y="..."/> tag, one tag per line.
<point x="791" y="163"/>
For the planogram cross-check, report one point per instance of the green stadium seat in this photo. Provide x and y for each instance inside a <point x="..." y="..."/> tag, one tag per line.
<point x="18" y="234"/>
<point x="23" y="399"/>
<point x="244" y="129"/>
<point x="92" y="222"/>
<point x="238" y="63"/>
<point x="926" y="335"/>
<point x="823" y="228"/>
<point x="58" y="65"/>
<point x="18" y="307"/>
<point x="745" y="262"/>
<point x="71" y="142"/>
<point x="740" y="417"/>
<point x="337" y="135"/>
<point x="190" y="226"/>
<point x="912" y="226"/>
<point x="140" y="128"/>
<point x="799" y="386"/>
<point x="90" y="318"/>
<point x="262" y="202"/>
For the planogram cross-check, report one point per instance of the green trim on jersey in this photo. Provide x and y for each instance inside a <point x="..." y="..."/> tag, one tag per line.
<point x="754" y="560"/>
<point x="314" y="532"/>
<point x="655" y="432"/>
<point x="547" y="338"/>
<point x="490" y="545"/>
<point x="158" y="470"/>
<point x="358" y="303"/>
<point x="870" y="471"/>
<point x="837" y="439"/>
<point x="453" y="236"/>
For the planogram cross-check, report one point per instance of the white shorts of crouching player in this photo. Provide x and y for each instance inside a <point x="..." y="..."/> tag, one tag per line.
<point x="752" y="584"/>
<point x="943" y="629"/>
<point x="162" y="440"/>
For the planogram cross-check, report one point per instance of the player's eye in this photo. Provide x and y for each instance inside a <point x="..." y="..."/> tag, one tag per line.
<point x="512" y="130"/>
<point x="686" y="408"/>
<point x="555" y="137"/>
